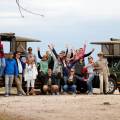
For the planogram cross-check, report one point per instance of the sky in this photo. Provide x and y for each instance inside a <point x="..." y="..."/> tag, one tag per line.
<point x="71" y="22"/>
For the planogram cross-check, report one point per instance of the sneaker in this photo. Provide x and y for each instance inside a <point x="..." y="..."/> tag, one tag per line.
<point x="53" y="93"/>
<point x="57" y="93"/>
<point x="90" y="93"/>
<point x="64" y="93"/>
<point x="23" y="93"/>
<point x="33" y="94"/>
<point x="6" y="95"/>
<point x="73" y="93"/>
<point x="19" y="94"/>
<point x="106" y="93"/>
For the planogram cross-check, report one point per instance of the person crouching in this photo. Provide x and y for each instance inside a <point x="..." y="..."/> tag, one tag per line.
<point x="71" y="83"/>
<point x="51" y="84"/>
<point x="30" y="75"/>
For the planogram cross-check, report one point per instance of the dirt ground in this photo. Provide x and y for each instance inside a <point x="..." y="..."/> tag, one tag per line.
<point x="62" y="107"/>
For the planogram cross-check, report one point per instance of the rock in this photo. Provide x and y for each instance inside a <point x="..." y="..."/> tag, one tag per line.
<point x="106" y="103"/>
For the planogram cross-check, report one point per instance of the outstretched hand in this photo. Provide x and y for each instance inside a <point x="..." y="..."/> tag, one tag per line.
<point x="38" y="49"/>
<point x="71" y="50"/>
<point x="66" y="46"/>
<point x="52" y="45"/>
<point x="49" y="47"/>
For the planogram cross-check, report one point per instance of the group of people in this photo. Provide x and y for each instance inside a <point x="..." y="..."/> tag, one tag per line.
<point x="57" y="73"/>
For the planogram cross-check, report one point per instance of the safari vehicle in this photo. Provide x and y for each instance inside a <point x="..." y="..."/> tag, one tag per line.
<point x="111" y="50"/>
<point x="17" y="43"/>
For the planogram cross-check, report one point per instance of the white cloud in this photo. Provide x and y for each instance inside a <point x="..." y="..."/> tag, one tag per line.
<point x="58" y="8"/>
<point x="58" y="13"/>
<point x="79" y="7"/>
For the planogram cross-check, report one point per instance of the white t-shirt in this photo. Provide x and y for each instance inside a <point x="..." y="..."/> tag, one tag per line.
<point x="30" y="72"/>
<point x="90" y="68"/>
<point x="19" y="66"/>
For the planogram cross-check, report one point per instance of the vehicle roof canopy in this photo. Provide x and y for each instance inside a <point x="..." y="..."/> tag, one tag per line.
<point x="106" y="43"/>
<point x="110" y="48"/>
<point x="11" y="36"/>
<point x="112" y="41"/>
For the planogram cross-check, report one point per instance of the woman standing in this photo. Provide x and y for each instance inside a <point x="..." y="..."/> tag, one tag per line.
<point x="91" y="74"/>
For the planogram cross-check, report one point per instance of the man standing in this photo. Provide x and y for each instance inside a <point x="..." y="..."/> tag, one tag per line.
<point x="18" y="80"/>
<point x="103" y="70"/>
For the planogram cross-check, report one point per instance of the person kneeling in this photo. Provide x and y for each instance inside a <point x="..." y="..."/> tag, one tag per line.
<point x="71" y="83"/>
<point x="51" y="84"/>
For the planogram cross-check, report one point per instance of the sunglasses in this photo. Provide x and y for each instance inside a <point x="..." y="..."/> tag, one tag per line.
<point x="90" y="58"/>
<point x="29" y="49"/>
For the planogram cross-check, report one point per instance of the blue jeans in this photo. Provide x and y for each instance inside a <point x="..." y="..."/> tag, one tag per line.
<point x="89" y="83"/>
<point x="65" y="79"/>
<point x="69" y="88"/>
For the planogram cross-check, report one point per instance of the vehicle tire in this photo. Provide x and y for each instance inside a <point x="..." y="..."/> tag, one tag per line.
<point x="96" y="82"/>
<point x="112" y="86"/>
<point x="82" y="87"/>
<point x="83" y="90"/>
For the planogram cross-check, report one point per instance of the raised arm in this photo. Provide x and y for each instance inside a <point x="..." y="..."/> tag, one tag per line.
<point x="84" y="48"/>
<point x="72" y="54"/>
<point x="39" y="55"/>
<point x="54" y="57"/>
<point x="66" y="52"/>
<point x="88" y="54"/>
<point x="55" y="53"/>
<point x="51" y="47"/>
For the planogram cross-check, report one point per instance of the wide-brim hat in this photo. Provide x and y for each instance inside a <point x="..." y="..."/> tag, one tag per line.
<point x="100" y="53"/>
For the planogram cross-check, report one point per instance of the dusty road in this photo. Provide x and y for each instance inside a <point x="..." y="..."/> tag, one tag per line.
<point x="64" y="107"/>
